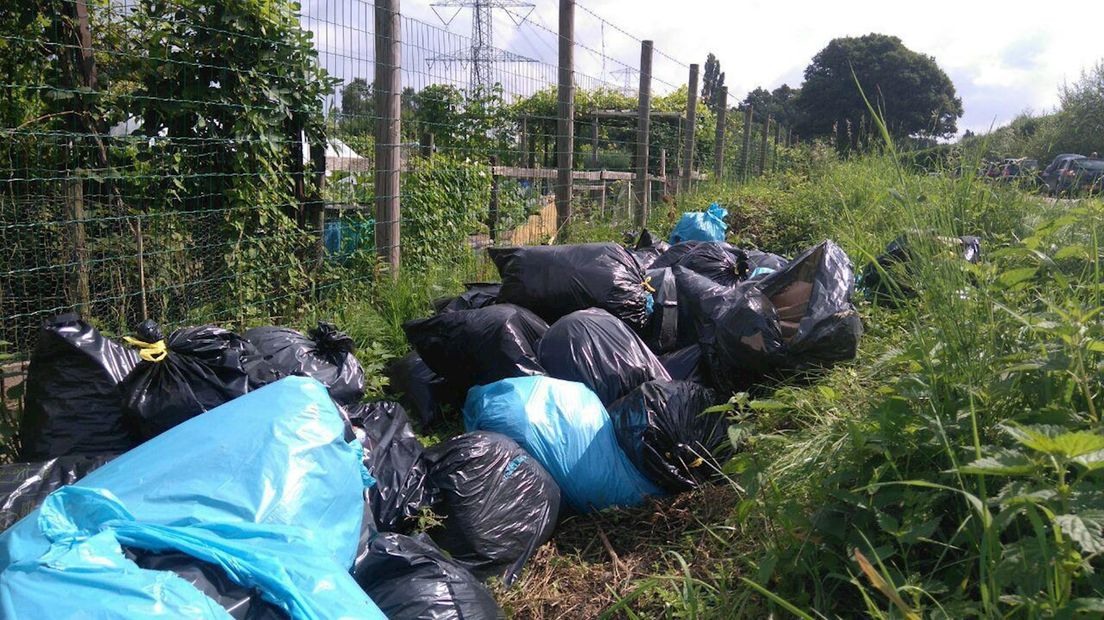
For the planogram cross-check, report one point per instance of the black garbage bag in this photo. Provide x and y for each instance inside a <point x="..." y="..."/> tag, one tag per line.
<point x="596" y="349"/>
<point x="792" y="320"/>
<point x="476" y="347"/>
<point x="762" y="264"/>
<point x="661" y="332"/>
<point x="648" y="248"/>
<point x="73" y="402"/>
<point x="685" y="364"/>
<point x="719" y="262"/>
<point x="477" y="295"/>
<point x="394" y="457"/>
<point x="700" y="301"/>
<point x="499" y="504"/>
<point x="424" y="393"/>
<point x="325" y="354"/>
<point x="409" y="578"/>
<point x="664" y="430"/>
<point x="892" y="276"/>
<point x="24" y="486"/>
<point x="554" y="281"/>
<point x="674" y="254"/>
<point x="195" y="370"/>
<point x="240" y="602"/>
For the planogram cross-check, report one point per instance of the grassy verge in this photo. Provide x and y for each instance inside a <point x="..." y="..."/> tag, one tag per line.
<point x="950" y="471"/>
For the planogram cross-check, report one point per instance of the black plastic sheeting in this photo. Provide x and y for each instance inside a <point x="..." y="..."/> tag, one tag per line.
<point x="685" y="364"/>
<point x="555" y="281"/>
<point x="596" y="349"/>
<point x="202" y="370"/>
<point x="73" y="402"/>
<point x="499" y="504"/>
<point x="325" y="354"/>
<point x="661" y="332"/>
<point x="476" y="295"/>
<point x="648" y="248"/>
<point x="664" y="431"/>
<point x="792" y="320"/>
<point x="424" y="393"/>
<point x="892" y="276"/>
<point x="674" y="254"/>
<point x="719" y="262"/>
<point x="762" y="264"/>
<point x="394" y="457"/>
<point x="409" y="578"/>
<point x="240" y="602"/>
<point x="24" y="486"/>
<point x="476" y="347"/>
<point x="700" y="301"/>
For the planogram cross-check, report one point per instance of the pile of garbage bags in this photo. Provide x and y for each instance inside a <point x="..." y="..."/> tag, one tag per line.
<point x="200" y="473"/>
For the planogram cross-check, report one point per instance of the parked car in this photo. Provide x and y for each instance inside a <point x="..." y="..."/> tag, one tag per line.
<point x="1049" y="176"/>
<point x="1020" y="170"/>
<point x="1077" y="176"/>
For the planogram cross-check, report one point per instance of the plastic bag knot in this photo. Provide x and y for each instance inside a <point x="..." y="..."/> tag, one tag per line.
<point x="149" y="351"/>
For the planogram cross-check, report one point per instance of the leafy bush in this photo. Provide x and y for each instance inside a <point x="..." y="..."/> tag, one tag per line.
<point x="444" y="201"/>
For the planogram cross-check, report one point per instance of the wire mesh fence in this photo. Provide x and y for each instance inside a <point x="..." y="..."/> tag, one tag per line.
<point x="206" y="161"/>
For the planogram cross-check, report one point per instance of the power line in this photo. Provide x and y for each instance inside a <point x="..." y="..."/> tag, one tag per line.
<point x="482" y="56"/>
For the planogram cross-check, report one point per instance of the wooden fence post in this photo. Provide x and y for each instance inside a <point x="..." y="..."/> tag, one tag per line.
<point x="763" y="145"/>
<point x="643" y="126"/>
<point x="492" y="209"/>
<point x="74" y="214"/>
<point x="594" y="145"/>
<point x="523" y="143"/>
<point x="749" y="117"/>
<point x="565" y="126"/>
<point x="691" y="129"/>
<point x="777" y="142"/>
<point x="718" y="147"/>
<point x="388" y="89"/>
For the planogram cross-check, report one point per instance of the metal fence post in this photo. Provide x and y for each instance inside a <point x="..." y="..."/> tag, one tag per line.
<point x="691" y="129"/>
<point x="718" y="147"/>
<point x="388" y="91"/>
<point x="763" y="145"/>
<point x="565" y="132"/>
<point x="749" y="117"/>
<point x="643" y="126"/>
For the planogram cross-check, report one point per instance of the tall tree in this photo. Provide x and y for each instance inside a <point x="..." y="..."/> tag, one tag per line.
<point x="357" y="106"/>
<point x="779" y="103"/>
<point x="915" y="96"/>
<point x="712" y="82"/>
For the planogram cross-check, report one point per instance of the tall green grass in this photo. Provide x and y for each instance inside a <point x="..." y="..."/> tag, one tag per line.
<point x="954" y="469"/>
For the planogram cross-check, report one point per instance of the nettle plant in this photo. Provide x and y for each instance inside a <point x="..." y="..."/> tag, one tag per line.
<point x="1045" y="526"/>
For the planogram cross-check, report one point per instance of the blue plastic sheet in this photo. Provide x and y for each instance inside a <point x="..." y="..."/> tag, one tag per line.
<point x="565" y="427"/>
<point x="266" y="487"/>
<point x="701" y="226"/>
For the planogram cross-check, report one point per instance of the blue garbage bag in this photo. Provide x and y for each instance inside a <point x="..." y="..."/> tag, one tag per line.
<point x="344" y="237"/>
<point x="701" y="226"/>
<point x="266" y="487"/>
<point x="566" y="428"/>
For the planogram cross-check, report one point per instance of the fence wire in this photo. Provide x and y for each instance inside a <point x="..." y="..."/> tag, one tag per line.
<point x="200" y="161"/>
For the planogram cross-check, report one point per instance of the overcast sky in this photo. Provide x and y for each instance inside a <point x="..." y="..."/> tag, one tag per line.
<point x="1003" y="57"/>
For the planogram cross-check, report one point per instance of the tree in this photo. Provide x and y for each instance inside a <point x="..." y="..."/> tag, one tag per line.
<point x="357" y="107"/>
<point x="779" y="103"/>
<point x="1081" y="118"/>
<point x="909" y="89"/>
<point x="712" y="83"/>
